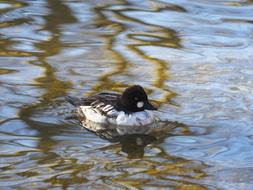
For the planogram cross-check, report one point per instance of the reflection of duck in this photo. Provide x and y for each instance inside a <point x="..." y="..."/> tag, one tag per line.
<point x="111" y="132"/>
<point x="134" y="144"/>
<point x="132" y="108"/>
<point x="132" y="139"/>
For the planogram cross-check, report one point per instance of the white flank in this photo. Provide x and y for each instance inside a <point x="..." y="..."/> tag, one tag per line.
<point x="135" y="119"/>
<point x="118" y="118"/>
<point x="93" y="115"/>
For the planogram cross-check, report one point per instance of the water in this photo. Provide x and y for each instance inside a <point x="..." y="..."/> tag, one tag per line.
<point x="193" y="57"/>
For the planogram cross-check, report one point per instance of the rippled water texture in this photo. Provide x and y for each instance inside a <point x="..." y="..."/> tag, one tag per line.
<point x="195" y="59"/>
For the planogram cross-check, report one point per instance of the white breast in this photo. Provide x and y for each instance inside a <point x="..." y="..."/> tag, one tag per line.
<point x="135" y="119"/>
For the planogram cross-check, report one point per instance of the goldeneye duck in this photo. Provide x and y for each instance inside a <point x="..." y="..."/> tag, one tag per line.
<point x="131" y="108"/>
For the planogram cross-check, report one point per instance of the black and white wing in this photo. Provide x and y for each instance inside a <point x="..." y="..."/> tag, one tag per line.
<point x="101" y="103"/>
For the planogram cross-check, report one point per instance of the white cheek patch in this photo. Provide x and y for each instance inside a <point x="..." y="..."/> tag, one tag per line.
<point x="140" y="104"/>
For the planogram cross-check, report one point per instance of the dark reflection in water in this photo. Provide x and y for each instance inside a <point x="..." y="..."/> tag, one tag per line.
<point x="134" y="139"/>
<point x="134" y="145"/>
<point x="53" y="88"/>
<point x="195" y="59"/>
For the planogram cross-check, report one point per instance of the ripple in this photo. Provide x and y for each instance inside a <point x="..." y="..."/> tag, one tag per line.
<point x="194" y="58"/>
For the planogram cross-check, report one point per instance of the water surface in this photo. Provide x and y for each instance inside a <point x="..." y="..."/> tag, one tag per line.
<point x="193" y="57"/>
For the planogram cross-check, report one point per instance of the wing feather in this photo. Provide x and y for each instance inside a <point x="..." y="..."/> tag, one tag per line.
<point x="101" y="103"/>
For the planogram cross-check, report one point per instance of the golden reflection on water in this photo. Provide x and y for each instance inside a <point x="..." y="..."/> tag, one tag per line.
<point x="104" y="82"/>
<point x="59" y="154"/>
<point x="67" y="172"/>
<point x="167" y="39"/>
<point x="60" y="14"/>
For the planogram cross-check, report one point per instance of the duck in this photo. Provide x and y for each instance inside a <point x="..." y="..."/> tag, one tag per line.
<point x="131" y="108"/>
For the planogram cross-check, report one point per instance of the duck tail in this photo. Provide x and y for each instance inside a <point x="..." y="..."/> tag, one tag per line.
<point x="72" y="100"/>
